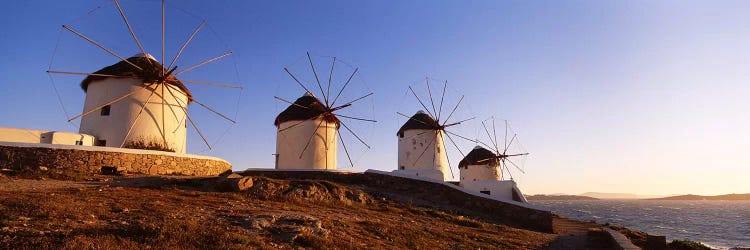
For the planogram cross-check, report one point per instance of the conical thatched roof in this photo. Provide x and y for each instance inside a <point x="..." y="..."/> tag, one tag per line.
<point x="296" y="112"/>
<point x="420" y="120"/>
<point x="477" y="156"/>
<point x="151" y="72"/>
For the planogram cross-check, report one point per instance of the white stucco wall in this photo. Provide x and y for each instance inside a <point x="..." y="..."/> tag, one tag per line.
<point x="44" y="136"/>
<point x="411" y="146"/>
<point x="425" y="173"/>
<point x="485" y="172"/>
<point x="498" y="189"/>
<point x="157" y="123"/>
<point x="68" y="138"/>
<point x="21" y="135"/>
<point x="321" y="152"/>
<point x="523" y="203"/>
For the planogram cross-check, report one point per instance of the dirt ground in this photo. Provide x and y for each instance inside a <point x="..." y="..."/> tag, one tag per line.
<point x="151" y="212"/>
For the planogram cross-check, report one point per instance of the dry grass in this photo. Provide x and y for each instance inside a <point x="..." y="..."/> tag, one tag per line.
<point x="277" y="214"/>
<point x="148" y="145"/>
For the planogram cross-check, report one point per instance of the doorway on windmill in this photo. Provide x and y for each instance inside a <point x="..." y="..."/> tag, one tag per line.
<point x="100" y="143"/>
<point x="487" y="192"/>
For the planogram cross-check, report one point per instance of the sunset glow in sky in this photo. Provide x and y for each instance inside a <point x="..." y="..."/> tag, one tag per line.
<point x="648" y="97"/>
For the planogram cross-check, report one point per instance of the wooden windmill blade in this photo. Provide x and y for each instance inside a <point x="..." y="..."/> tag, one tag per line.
<point x="449" y="161"/>
<point x="90" y="74"/>
<point x="356" y="118"/>
<point x="458" y="122"/>
<point x="355" y="135"/>
<point x="344" y="87"/>
<point x="515" y="165"/>
<point x="420" y="102"/>
<point x="442" y="98"/>
<point x="312" y="66"/>
<point x="346" y="150"/>
<point x="204" y="62"/>
<point x="505" y="166"/>
<point x="503" y="155"/>
<point x="506" y="134"/>
<point x="432" y="140"/>
<point x="493" y="137"/>
<point x="184" y="108"/>
<point x="330" y="78"/>
<point x="212" y="84"/>
<point x="454" y="109"/>
<point x="185" y="44"/>
<point x="312" y="135"/>
<point x="106" y="104"/>
<point x="412" y="118"/>
<point x="432" y="102"/>
<point x="130" y="28"/>
<point x="101" y="46"/>
<point x="509" y="143"/>
<point x="143" y="107"/>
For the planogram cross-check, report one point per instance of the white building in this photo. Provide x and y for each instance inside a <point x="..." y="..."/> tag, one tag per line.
<point x="480" y="171"/>
<point x="44" y="136"/>
<point x="421" y="149"/>
<point x="307" y="136"/>
<point x="126" y="122"/>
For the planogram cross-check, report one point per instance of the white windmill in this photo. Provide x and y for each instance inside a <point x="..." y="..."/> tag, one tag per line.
<point x="139" y="102"/>
<point x="308" y="129"/>
<point x="422" y="151"/>
<point x="483" y="169"/>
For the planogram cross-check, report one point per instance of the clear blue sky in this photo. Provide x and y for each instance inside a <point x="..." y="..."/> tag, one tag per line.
<point x="614" y="96"/>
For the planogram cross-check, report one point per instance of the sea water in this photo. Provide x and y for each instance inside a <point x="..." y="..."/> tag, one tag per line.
<point x="719" y="224"/>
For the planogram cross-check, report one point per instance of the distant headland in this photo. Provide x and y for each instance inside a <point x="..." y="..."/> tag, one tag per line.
<point x="544" y="197"/>
<point x="626" y="196"/>
<point x="725" y="197"/>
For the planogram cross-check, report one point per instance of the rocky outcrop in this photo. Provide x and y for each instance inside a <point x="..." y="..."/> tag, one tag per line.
<point x="233" y="183"/>
<point x="423" y="193"/>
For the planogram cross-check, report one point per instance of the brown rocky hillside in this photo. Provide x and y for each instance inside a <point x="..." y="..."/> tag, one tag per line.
<point x="257" y="212"/>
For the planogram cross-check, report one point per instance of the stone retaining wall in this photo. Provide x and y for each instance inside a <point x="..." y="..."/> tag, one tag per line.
<point x="90" y="160"/>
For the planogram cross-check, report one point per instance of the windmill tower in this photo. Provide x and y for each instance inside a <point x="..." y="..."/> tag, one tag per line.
<point x="480" y="164"/>
<point x="321" y="151"/>
<point x="307" y="133"/>
<point x="422" y="150"/>
<point x="482" y="169"/>
<point x="122" y="123"/>
<point x="138" y="102"/>
<point x="418" y="136"/>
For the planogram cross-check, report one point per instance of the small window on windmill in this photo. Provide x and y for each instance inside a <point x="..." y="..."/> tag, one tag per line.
<point x="105" y="110"/>
<point x="401" y="167"/>
<point x="79" y="143"/>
